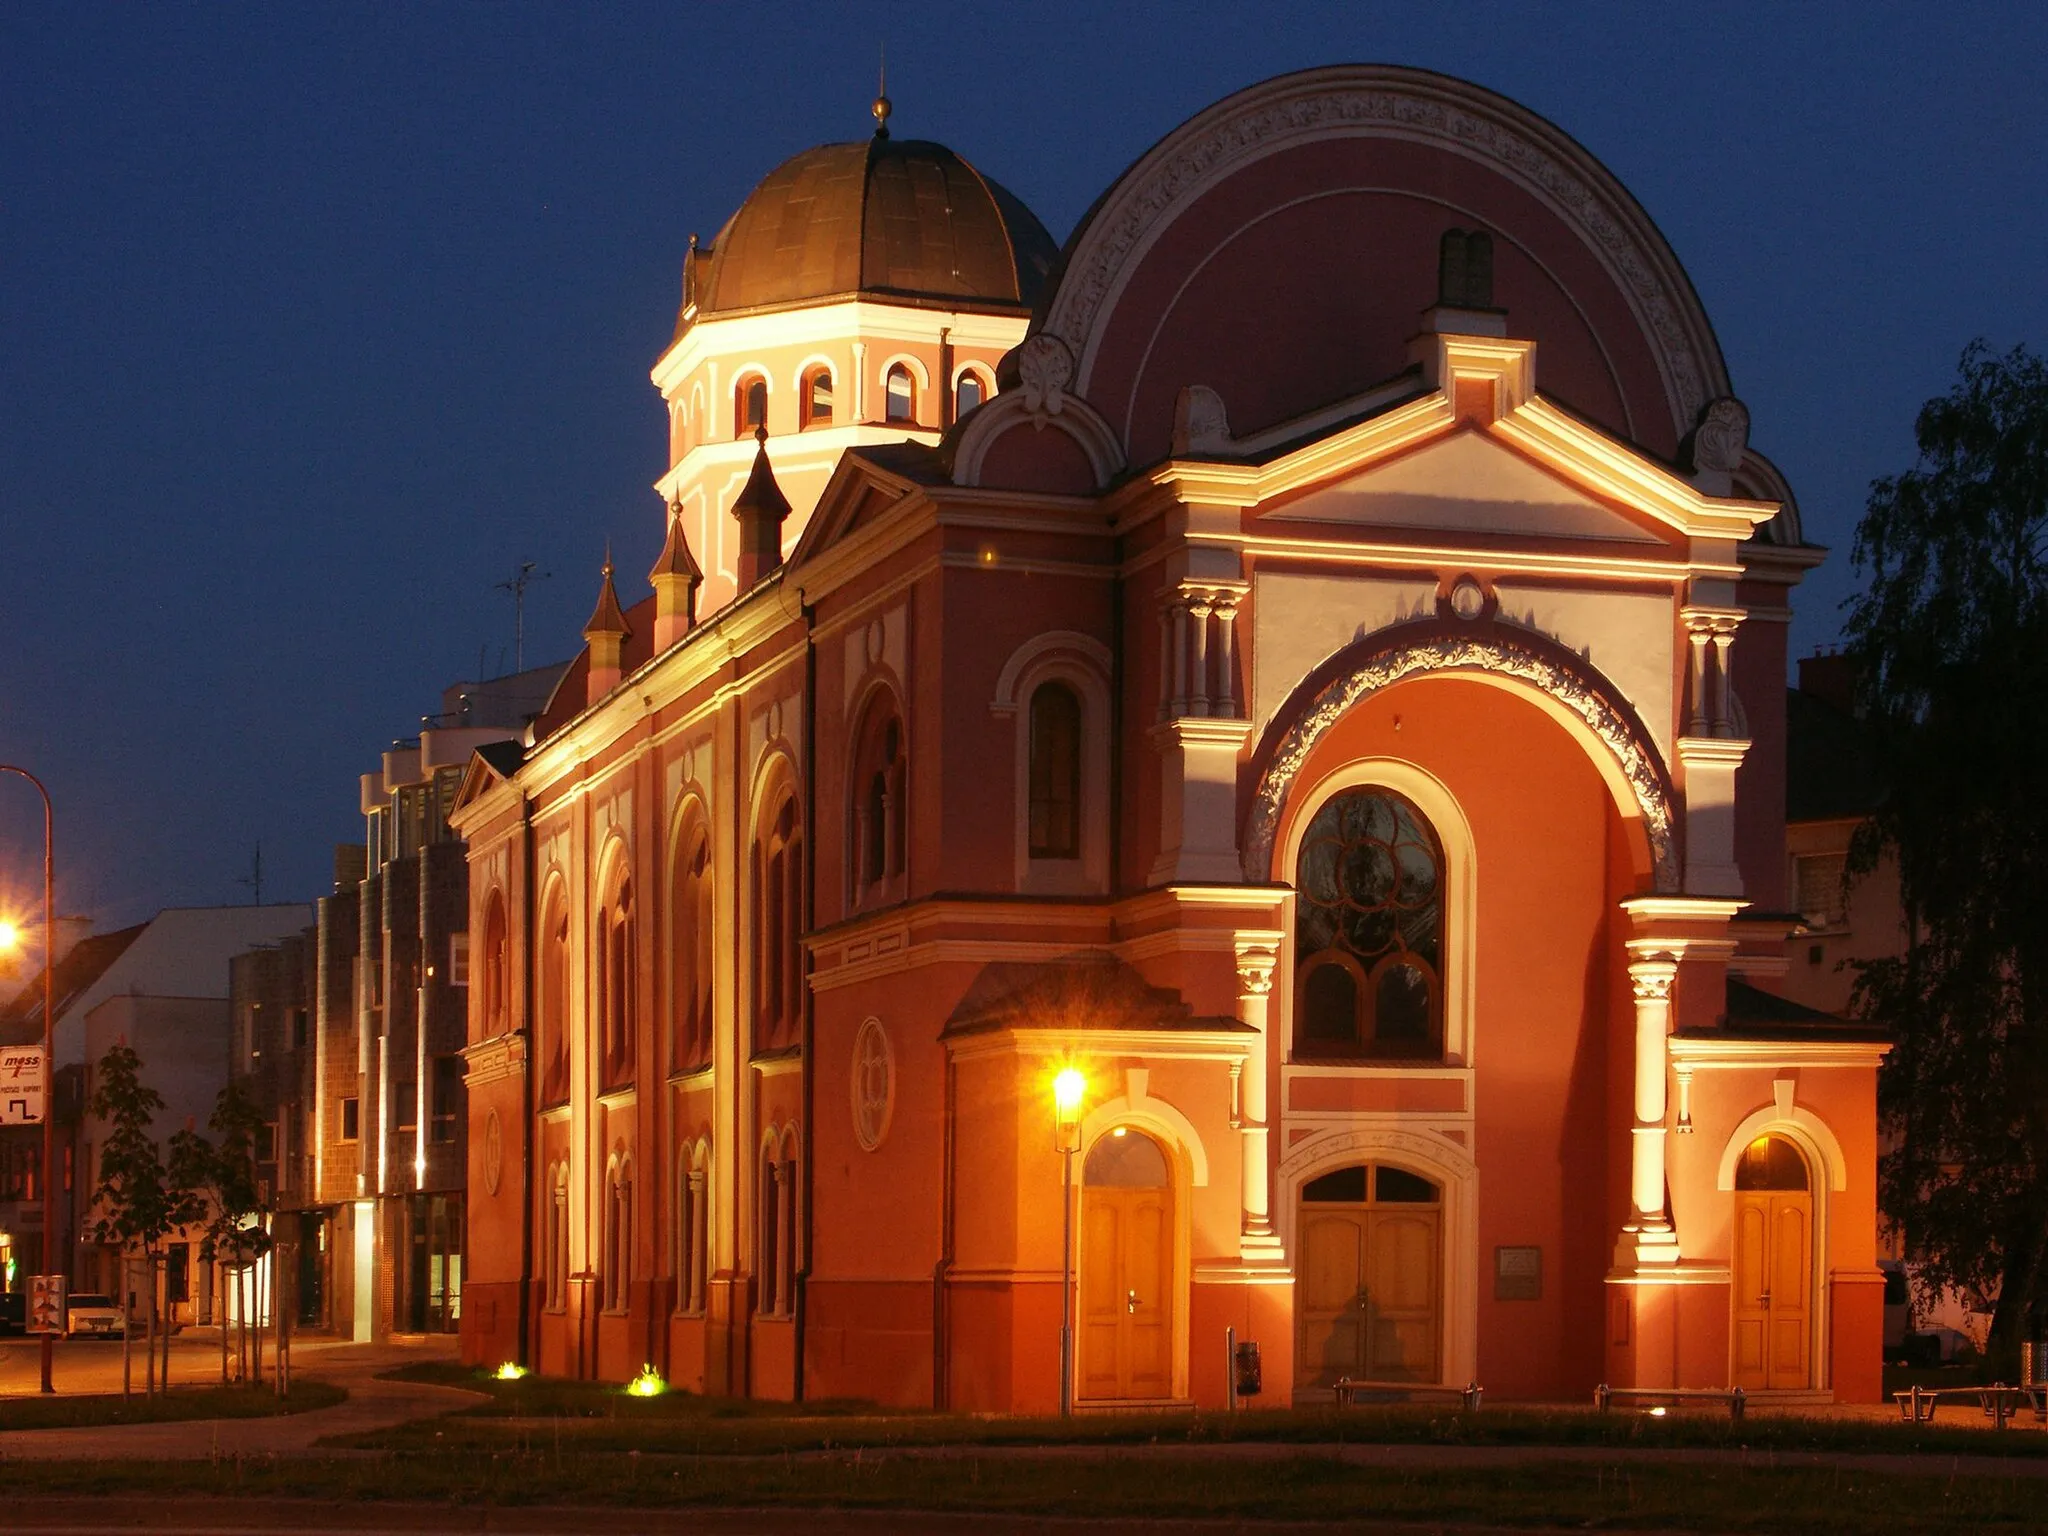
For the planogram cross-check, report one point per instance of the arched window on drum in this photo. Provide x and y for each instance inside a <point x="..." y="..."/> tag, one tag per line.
<point x="1369" y="941"/>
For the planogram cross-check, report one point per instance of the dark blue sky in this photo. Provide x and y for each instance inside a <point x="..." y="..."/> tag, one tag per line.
<point x="318" y="320"/>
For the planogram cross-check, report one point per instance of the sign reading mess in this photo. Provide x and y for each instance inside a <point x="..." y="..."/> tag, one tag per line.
<point x="21" y="1085"/>
<point x="45" y="1304"/>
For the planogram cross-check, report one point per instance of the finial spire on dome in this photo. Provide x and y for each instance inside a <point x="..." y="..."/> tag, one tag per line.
<point x="882" y="106"/>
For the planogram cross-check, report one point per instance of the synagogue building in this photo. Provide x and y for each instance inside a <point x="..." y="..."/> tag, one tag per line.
<point x="1302" y="663"/>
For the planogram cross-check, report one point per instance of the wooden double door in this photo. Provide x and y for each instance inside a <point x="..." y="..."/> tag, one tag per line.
<point x="1127" y="1278"/>
<point x="1369" y="1287"/>
<point x="1772" y="1328"/>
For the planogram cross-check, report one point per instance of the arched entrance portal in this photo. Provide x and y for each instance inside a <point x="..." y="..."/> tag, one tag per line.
<point x="1127" y="1268"/>
<point x="1369" y="1298"/>
<point x="1773" y="1325"/>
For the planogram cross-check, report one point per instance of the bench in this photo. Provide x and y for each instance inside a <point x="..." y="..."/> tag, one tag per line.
<point x="1348" y="1391"/>
<point x="1998" y="1401"/>
<point x="1604" y="1396"/>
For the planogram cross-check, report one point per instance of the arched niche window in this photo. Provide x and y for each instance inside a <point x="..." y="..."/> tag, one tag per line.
<point x="876" y="786"/>
<point x="555" y="1239"/>
<point x="899" y="394"/>
<point x="617" y="979"/>
<point x="494" y="995"/>
<point x="1368" y="951"/>
<point x="814" y="399"/>
<point x="749" y="404"/>
<point x="969" y="390"/>
<point x="1055" y="774"/>
<point x="693" y="1227"/>
<point x="553" y="1013"/>
<point x="690" y="946"/>
<point x="617" y="1277"/>
<point x="776" y="1235"/>
<point x="778" y="915"/>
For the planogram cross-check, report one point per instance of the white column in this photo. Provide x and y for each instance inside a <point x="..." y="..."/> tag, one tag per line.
<point x="1696" y="719"/>
<point x="1179" y="706"/>
<point x="1226" y="634"/>
<point x="1199" y="609"/>
<point x="1257" y="956"/>
<point x="1724" y="707"/>
<point x="1651" y="977"/>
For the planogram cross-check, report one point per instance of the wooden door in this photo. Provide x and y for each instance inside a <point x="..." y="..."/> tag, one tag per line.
<point x="1772" y="1331"/>
<point x="1369" y="1287"/>
<point x="1330" y="1289"/>
<point x="1127" y="1272"/>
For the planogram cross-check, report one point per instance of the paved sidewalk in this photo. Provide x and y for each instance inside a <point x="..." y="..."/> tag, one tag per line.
<point x="372" y="1404"/>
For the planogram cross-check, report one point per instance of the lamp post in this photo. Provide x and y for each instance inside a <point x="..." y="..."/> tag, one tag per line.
<point x="49" y="1048"/>
<point x="1067" y="1091"/>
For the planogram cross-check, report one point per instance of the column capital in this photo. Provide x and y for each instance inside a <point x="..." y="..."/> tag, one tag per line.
<point x="1258" y="955"/>
<point x="1652" y="979"/>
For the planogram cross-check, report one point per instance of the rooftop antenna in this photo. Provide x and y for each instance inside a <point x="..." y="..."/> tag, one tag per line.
<point x="254" y="879"/>
<point x="881" y="106"/>
<point x="526" y="576"/>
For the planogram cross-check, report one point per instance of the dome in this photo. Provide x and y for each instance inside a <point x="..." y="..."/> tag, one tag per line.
<point x="897" y="218"/>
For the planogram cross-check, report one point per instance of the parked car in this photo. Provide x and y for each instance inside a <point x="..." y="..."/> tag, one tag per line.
<point x="13" y="1312"/>
<point x="90" y="1315"/>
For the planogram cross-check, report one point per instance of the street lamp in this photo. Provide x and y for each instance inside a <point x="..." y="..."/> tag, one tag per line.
<point x="49" y="1048"/>
<point x="1067" y="1091"/>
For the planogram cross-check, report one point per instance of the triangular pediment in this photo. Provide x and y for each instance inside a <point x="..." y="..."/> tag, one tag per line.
<point x="1468" y="482"/>
<point x="859" y="492"/>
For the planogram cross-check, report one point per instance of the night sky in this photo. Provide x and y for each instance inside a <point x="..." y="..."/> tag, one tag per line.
<point x="319" y="320"/>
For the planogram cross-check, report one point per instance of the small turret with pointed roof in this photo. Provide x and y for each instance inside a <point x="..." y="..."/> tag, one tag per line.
<point x="676" y="577"/>
<point x="760" y="508"/>
<point x="606" y="632"/>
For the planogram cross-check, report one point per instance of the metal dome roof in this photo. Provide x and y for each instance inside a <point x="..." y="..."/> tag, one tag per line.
<point x="899" y="218"/>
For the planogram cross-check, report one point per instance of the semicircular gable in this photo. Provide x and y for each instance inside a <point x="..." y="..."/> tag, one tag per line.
<point x="1281" y="246"/>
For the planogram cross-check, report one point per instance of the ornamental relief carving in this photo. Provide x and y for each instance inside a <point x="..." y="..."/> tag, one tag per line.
<point x="1476" y="652"/>
<point x="1115" y="242"/>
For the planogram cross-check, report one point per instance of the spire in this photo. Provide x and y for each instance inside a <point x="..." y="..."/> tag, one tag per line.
<point x="609" y="618"/>
<point x="676" y="577"/>
<point x="606" y="633"/>
<point x="882" y="106"/>
<point x="760" y="508"/>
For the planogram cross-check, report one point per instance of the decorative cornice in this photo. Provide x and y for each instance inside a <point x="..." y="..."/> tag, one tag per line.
<point x="1490" y="651"/>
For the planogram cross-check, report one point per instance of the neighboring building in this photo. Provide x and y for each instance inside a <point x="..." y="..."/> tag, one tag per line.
<point x="352" y="1033"/>
<point x="1330" y="694"/>
<point x="172" y="968"/>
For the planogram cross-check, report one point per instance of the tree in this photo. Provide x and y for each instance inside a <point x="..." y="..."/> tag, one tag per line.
<point x="137" y="1202"/>
<point x="225" y="1172"/>
<point x="1951" y="638"/>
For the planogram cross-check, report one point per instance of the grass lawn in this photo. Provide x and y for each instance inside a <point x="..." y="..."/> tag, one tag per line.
<point x="1732" y="1497"/>
<point x="246" y="1402"/>
<point x="591" y="1418"/>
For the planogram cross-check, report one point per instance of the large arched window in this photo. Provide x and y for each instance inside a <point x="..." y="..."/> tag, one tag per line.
<point x="1055" y="812"/>
<point x="778" y="917"/>
<point x="876" y="815"/>
<point x="617" y="979"/>
<point x="749" y="404"/>
<point x="690" y="951"/>
<point x="814" y="400"/>
<point x="1368" y="948"/>
<point x="553" y="1045"/>
<point x="899" y="394"/>
<point x="969" y="390"/>
<point x="494" y="995"/>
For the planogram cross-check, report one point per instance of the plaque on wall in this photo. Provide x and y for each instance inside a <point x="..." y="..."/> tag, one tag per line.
<point x="1518" y="1274"/>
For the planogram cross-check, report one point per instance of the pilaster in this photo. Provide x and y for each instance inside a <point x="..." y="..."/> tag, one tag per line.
<point x="1258" y="955"/>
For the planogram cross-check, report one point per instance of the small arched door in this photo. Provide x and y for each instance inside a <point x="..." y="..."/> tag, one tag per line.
<point x="1773" y="1325"/>
<point x="1127" y="1279"/>
<point x="1369" y="1293"/>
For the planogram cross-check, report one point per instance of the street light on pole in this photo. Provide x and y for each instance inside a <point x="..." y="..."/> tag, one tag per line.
<point x="49" y="1049"/>
<point x="1068" y="1089"/>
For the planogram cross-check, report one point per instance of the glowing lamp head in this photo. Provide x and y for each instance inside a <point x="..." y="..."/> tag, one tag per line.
<point x="1068" y="1089"/>
<point x="647" y="1384"/>
<point x="511" y="1370"/>
<point x="10" y="937"/>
